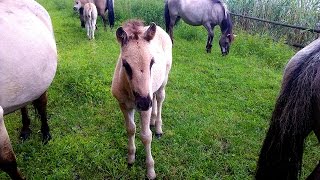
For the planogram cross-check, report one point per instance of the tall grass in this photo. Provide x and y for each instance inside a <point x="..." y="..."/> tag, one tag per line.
<point x="304" y="13"/>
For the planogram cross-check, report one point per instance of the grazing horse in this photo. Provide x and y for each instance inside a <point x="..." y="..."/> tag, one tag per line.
<point x="90" y="17"/>
<point x="28" y="62"/>
<point x="208" y="13"/>
<point x="296" y="114"/>
<point x="139" y="81"/>
<point x="101" y="5"/>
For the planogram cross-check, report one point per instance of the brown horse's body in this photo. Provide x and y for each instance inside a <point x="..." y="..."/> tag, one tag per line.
<point x="139" y="82"/>
<point x="101" y="5"/>
<point x="28" y="62"/>
<point x="296" y="115"/>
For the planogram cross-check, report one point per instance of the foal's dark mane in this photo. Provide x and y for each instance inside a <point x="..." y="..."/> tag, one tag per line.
<point x="134" y="28"/>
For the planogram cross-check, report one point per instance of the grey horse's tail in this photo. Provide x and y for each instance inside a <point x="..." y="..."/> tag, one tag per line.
<point x="167" y="16"/>
<point x="110" y="12"/>
<point x="291" y="122"/>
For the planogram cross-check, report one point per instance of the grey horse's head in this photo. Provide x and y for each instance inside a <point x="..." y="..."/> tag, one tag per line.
<point x="225" y="42"/>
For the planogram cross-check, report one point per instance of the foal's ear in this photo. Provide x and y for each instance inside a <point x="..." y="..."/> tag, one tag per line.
<point x="151" y="31"/>
<point x="122" y="36"/>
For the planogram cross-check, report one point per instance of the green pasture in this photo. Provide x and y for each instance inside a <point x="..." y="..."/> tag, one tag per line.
<point x="215" y="115"/>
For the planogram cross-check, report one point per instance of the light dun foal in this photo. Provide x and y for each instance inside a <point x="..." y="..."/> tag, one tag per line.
<point x="90" y="17"/>
<point x="139" y="82"/>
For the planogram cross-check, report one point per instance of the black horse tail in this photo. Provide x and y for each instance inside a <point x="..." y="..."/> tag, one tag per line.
<point x="291" y="121"/>
<point x="110" y="12"/>
<point x="167" y="16"/>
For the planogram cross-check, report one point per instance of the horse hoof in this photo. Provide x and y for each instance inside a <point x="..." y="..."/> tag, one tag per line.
<point x="130" y="165"/>
<point x="25" y="134"/>
<point x="46" y="138"/>
<point x="158" y="135"/>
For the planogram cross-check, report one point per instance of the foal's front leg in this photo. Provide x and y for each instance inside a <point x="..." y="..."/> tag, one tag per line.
<point x="131" y="130"/>
<point x="146" y="138"/>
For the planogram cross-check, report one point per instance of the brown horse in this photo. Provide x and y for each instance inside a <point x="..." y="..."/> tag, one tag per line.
<point x="28" y="58"/>
<point x="139" y="82"/>
<point x="296" y="114"/>
<point x="101" y="5"/>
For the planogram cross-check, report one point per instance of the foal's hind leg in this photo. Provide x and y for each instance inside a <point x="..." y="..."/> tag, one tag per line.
<point x="41" y="106"/>
<point x="160" y="95"/>
<point x="210" y="37"/>
<point x="25" y="130"/>
<point x="154" y="111"/>
<point x="7" y="158"/>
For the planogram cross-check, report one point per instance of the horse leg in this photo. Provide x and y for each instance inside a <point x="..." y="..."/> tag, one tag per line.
<point x="8" y="161"/>
<point x="103" y="17"/>
<point x="154" y="111"/>
<point x="160" y="98"/>
<point x="40" y="105"/>
<point x="173" y="20"/>
<point x="210" y="37"/>
<point x="131" y="130"/>
<point x="146" y="138"/>
<point x="25" y="130"/>
<point x="81" y="17"/>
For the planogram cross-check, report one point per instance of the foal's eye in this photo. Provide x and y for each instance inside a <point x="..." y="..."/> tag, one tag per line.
<point x="127" y="67"/>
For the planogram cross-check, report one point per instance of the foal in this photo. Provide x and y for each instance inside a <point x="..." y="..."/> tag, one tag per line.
<point x="139" y="82"/>
<point x="90" y="17"/>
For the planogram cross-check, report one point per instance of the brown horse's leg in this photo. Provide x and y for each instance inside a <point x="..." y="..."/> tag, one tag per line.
<point x="7" y="158"/>
<point x="81" y="17"/>
<point x="101" y="12"/>
<point x="25" y="130"/>
<point x="41" y="106"/>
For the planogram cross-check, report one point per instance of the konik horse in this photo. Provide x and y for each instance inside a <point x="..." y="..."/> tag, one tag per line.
<point x="139" y="82"/>
<point x="295" y="116"/>
<point x="208" y="13"/>
<point x="101" y="5"/>
<point x="28" y="62"/>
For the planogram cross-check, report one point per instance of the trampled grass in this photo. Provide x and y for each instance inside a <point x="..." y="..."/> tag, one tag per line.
<point x="215" y="114"/>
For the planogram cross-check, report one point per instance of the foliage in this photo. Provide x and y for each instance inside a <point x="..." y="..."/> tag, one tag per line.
<point x="215" y="114"/>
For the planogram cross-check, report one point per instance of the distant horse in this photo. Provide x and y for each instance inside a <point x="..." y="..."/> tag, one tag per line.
<point x="208" y="13"/>
<point x="139" y="82"/>
<point x="28" y="62"/>
<point x="101" y="5"/>
<point x="90" y="17"/>
<point x="296" y="114"/>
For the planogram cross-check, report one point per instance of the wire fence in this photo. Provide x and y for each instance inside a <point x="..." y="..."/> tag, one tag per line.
<point x="295" y="21"/>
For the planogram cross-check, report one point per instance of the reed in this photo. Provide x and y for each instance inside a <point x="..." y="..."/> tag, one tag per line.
<point x="304" y="13"/>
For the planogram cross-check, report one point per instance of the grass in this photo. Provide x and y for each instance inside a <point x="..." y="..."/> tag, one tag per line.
<point x="215" y="114"/>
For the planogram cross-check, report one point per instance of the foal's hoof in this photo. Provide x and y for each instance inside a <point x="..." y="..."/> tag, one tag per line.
<point x="130" y="165"/>
<point x="25" y="134"/>
<point x="46" y="138"/>
<point x="158" y="135"/>
<point x="208" y="50"/>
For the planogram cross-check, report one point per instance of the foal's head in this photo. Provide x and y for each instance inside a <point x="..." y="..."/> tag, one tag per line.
<point x="137" y="60"/>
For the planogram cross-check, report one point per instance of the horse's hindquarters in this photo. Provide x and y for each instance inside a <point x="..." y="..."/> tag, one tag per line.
<point x="28" y="57"/>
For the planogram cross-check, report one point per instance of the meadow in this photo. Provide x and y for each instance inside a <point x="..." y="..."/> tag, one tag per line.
<point x="215" y="114"/>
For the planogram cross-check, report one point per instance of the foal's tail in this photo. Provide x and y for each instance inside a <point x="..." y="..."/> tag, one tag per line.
<point x="291" y="122"/>
<point x="167" y="16"/>
<point x="110" y="12"/>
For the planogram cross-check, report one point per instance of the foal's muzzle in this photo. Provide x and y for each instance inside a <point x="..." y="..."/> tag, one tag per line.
<point x="142" y="103"/>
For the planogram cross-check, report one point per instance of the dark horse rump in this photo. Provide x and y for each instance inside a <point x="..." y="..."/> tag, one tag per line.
<point x="296" y="114"/>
